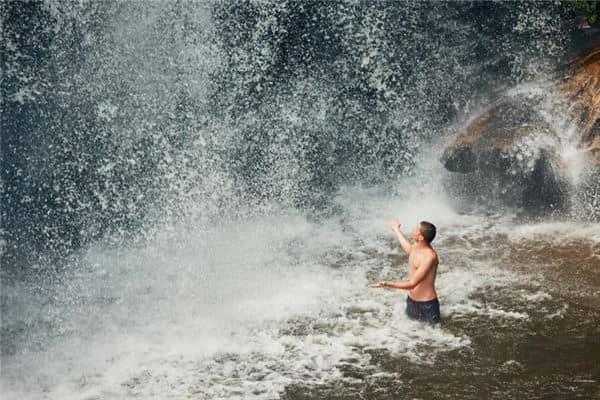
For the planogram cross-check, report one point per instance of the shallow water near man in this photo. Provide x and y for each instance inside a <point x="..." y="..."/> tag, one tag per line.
<point x="421" y="303"/>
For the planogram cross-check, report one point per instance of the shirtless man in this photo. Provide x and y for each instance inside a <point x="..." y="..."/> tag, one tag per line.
<point x="421" y="303"/>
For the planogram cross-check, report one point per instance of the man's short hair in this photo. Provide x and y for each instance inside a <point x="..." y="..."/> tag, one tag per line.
<point x="427" y="230"/>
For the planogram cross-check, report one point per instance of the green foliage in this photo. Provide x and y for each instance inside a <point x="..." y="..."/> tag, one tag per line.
<point x="589" y="9"/>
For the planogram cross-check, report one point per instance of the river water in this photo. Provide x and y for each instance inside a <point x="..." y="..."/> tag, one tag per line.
<point x="277" y="306"/>
<point x="210" y="234"/>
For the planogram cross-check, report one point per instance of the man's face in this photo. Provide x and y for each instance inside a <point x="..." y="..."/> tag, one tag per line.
<point x="416" y="232"/>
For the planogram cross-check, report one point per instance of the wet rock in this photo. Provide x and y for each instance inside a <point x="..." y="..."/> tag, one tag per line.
<point x="487" y="140"/>
<point x="582" y="86"/>
<point x="518" y="144"/>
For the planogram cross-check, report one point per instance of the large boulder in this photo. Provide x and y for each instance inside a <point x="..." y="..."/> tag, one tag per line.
<point x="489" y="139"/>
<point x="525" y="144"/>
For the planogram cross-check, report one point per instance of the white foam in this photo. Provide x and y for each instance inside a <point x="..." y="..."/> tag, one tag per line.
<point x="554" y="230"/>
<point x="537" y="297"/>
<point x="559" y="313"/>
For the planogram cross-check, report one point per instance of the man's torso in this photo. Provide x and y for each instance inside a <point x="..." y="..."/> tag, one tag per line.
<point x="425" y="290"/>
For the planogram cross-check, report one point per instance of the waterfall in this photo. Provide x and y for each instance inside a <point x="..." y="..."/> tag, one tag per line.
<point x="193" y="192"/>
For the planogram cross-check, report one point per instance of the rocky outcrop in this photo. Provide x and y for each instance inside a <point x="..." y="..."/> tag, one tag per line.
<point x="582" y="86"/>
<point x="488" y="138"/>
<point x="519" y="142"/>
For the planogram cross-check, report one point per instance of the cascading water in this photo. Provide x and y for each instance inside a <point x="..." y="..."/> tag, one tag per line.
<point x="194" y="197"/>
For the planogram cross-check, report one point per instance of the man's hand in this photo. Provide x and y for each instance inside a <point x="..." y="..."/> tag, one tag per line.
<point x="377" y="285"/>
<point x="394" y="224"/>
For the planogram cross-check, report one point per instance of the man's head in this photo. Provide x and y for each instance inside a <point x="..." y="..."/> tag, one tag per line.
<point x="424" y="231"/>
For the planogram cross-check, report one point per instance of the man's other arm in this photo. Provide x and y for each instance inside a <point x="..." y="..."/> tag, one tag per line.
<point x="417" y="277"/>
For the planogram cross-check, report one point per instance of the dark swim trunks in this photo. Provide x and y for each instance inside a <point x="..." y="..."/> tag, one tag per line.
<point x="428" y="311"/>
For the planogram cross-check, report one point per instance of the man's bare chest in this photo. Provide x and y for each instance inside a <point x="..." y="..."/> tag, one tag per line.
<point x="414" y="261"/>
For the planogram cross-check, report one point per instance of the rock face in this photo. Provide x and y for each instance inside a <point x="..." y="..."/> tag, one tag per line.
<point x="582" y="86"/>
<point x="488" y="138"/>
<point x="525" y="142"/>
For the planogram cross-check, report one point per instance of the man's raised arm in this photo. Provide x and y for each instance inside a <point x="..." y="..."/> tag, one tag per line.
<point x="395" y="226"/>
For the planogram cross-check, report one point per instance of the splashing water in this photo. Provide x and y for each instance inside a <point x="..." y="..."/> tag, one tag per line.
<point x="198" y="191"/>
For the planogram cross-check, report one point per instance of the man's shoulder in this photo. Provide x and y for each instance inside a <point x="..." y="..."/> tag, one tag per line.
<point x="429" y="253"/>
<point x="433" y="254"/>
